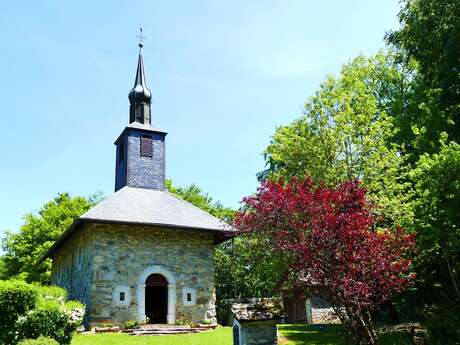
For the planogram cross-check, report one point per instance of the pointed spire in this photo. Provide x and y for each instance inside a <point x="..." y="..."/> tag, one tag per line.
<point x="140" y="96"/>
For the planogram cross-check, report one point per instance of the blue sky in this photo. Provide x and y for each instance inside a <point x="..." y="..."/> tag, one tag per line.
<point x="223" y="75"/>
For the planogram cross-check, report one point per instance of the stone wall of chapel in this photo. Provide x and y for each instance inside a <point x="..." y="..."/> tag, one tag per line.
<point x="72" y="266"/>
<point x="121" y="253"/>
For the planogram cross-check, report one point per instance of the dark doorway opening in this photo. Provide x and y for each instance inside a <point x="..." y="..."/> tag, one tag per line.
<point x="156" y="298"/>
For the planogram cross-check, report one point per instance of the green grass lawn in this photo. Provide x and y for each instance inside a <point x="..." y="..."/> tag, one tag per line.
<point x="312" y="334"/>
<point x="330" y="335"/>
<point x="294" y="334"/>
<point x="220" y="336"/>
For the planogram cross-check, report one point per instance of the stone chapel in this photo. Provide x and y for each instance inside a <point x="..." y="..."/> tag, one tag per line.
<point x="142" y="253"/>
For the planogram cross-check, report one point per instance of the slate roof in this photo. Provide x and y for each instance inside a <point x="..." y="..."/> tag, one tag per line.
<point x="140" y="206"/>
<point x="153" y="207"/>
<point x="143" y="127"/>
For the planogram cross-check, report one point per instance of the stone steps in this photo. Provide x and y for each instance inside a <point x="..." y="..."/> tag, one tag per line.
<point x="163" y="326"/>
<point x="166" y="330"/>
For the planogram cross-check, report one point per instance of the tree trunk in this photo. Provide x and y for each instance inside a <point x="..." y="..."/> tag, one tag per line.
<point x="345" y="317"/>
<point x="358" y="325"/>
<point x="371" y="326"/>
<point x="451" y="273"/>
<point x="369" y="336"/>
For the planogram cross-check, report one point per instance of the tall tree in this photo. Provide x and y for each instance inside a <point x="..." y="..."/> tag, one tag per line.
<point x="3" y="274"/>
<point x="246" y="267"/>
<point x="38" y="232"/>
<point x="430" y="37"/>
<point x="346" y="133"/>
<point x="437" y="222"/>
<point x="328" y="236"/>
<point x="194" y="195"/>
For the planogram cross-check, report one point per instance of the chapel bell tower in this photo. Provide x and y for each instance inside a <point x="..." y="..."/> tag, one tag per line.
<point x="140" y="158"/>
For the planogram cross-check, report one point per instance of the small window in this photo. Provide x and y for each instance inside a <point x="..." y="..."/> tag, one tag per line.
<point x="146" y="146"/>
<point x="188" y="296"/>
<point x="121" y="150"/>
<point x="121" y="295"/>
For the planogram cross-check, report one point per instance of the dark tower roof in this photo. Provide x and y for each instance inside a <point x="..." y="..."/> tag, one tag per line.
<point x="140" y="96"/>
<point x="140" y="92"/>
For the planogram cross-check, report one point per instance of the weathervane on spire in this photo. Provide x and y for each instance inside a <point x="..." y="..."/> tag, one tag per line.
<point x="140" y="96"/>
<point x="141" y="37"/>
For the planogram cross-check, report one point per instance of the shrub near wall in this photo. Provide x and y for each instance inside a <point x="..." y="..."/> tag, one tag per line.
<point x="30" y="311"/>
<point x="39" y="341"/>
<point x="16" y="298"/>
<point x="52" y="317"/>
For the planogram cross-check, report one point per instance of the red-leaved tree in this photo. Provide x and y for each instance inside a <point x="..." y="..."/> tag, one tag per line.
<point x="333" y="245"/>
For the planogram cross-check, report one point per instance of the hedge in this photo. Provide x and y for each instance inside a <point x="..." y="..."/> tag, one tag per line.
<point x="39" y="341"/>
<point x="16" y="298"/>
<point x="32" y="311"/>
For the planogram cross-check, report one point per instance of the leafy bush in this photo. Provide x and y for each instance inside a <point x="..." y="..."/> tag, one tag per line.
<point x="395" y="338"/>
<point x="336" y="238"/>
<point x="183" y="322"/>
<point x="51" y="293"/>
<point x="53" y="319"/>
<point x="443" y="323"/>
<point x="106" y="324"/>
<point x="129" y="324"/>
<point x="29" y="311"/>
<point x="16" y="298"/>
<point x="39" y="341"/>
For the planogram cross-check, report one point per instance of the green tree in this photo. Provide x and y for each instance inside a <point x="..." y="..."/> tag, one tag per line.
<point x="3" y="274"/>
<point x="38" y="232"/>
<point x="428" y="46"/>
<point x="346" y="133"/>
<point x="430" y="37"/>
<point x="437" y="222"/>
<point x="194" y="195"/>
<point x="247" y="267"/>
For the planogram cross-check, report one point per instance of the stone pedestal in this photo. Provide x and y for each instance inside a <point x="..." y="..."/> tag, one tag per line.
<point x="255" y="333"/>
<point x="255" y="323"/>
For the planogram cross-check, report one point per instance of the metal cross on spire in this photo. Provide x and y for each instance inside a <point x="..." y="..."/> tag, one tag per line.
<point x="141" y="37"/>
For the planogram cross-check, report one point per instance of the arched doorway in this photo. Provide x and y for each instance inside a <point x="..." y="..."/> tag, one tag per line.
<point x="171" y="288"/>
<point x="156" y="298"/>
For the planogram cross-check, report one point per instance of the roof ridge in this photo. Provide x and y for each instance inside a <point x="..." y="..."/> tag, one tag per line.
<point x="189" y="203"/>
<point x="101" y="202"/>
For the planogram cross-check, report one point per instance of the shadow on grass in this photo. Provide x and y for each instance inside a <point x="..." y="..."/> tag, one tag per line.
<point x="332" y="335"/>
<point x="395" y="338"/>
<point x="314" y="334"/>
